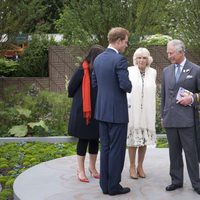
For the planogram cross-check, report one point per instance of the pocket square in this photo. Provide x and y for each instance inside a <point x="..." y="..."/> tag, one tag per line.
<point x="189" y="76"/>
<point x="186" y="70"/>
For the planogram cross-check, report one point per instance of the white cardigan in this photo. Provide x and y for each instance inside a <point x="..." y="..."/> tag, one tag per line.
<point x="141" y="126"/>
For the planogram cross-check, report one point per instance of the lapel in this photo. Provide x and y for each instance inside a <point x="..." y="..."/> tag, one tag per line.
<point x="172" y="74"/>
<point x="185" y="72"/>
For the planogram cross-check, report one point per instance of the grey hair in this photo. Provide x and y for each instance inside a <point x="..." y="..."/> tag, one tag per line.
<point x="144" y="52"/>
<point x="177" y="44"/>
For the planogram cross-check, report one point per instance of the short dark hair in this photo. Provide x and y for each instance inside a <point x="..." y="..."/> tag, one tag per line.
<point x="117" y="33"/>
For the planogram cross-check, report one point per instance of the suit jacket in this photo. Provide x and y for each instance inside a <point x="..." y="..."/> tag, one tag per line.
<point x="110" y="76"/>
<point x="175" y="115"/>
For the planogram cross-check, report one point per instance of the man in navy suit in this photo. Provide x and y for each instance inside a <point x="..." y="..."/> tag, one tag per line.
<point x="110" y="76"/>
<point x="178" y="115"/>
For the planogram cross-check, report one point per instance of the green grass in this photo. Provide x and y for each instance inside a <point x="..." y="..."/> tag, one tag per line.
<point x="162" y="143"/>
<point x="17" y="157"/>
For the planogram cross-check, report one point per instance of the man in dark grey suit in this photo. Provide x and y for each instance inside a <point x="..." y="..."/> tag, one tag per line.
<point x="110" y="76"/>
<point x="178" y="114"/>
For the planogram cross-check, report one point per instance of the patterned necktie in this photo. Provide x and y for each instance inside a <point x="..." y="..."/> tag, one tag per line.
<point x="178" y="72"/>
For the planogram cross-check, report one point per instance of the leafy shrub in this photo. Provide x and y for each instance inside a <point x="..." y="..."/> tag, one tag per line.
<point x="159" y="128"/>
<point x="52" y="108"/>
<point x="162" y="143"/>
<point x="34" y="61"/>
<point x="6" y="194"/>
<point x="39" y="113"/>
<point x="157" y="39"/>
<point x="8" y="67"/>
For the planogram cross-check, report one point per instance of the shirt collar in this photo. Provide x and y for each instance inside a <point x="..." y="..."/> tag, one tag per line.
<point x="110" y="47"/>
<point x="182" y="63"/>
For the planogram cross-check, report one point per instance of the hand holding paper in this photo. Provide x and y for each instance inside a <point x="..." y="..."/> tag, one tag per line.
<point x="184" y="97"/>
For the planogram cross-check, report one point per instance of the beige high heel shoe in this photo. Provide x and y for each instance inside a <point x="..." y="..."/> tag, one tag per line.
<point x="133" y="174"/>
<point x="141" y="173"/>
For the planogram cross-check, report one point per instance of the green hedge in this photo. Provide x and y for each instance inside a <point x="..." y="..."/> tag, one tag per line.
<point x="8" y="67"/>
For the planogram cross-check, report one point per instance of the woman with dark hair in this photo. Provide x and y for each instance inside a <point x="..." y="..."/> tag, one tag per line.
<point x="81" y="122"/>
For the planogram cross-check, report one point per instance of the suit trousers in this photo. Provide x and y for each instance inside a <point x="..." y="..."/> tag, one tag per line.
<point x="113" y="149"/>
<point x="178" y="139"/>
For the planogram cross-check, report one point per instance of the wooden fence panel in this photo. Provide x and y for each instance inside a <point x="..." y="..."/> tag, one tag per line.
<point x="63" y="61"/>
<point x="20" y="82"/>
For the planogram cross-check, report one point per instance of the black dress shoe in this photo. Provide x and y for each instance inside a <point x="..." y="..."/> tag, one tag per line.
<point x="197" y="190"/>
<point x="173" y="187"/>
<point x="120" y="191"/>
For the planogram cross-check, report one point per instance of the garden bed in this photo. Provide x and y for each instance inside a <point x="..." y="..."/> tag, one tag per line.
<point x="16" y="157"/>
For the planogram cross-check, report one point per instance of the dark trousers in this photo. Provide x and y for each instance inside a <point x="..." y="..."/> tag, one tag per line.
<point x="113" y="148"/>
<point x="183" y="139"/>
<point x="93" y="146"/>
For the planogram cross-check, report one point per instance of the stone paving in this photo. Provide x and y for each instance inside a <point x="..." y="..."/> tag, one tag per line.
<point x="56" y="180"/>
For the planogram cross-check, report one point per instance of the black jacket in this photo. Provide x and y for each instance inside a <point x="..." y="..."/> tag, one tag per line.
<point x="77" y="126"/>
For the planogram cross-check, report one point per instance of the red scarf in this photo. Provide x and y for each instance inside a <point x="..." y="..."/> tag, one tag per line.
<point x="87" y="111"/>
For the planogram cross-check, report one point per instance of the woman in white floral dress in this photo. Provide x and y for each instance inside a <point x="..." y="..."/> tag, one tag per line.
<point x="142" y="110"/>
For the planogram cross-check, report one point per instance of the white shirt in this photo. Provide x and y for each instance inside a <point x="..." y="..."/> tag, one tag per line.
<point x="181" y="65"/>
<point x="181" y="68"/>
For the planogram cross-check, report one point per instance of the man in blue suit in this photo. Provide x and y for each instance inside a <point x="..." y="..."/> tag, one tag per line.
<point x="110" y="75"/>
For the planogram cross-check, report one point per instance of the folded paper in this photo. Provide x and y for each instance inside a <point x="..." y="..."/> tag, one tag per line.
<point x="182" y="92"/>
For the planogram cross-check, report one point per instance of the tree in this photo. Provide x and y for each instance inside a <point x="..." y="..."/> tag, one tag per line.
<point x="7" y="24"/>
<point x="84" y="21"/>
<point x="150" y="16"/>
<point x="42" y="14"/>
<point x="29" y="16"/>
<point x="184" y="21"/>
<point x="34" y="61"/>
<point x="6" y="17"/>
<point x="88" y="21"/>
<point x="23" y="17"/>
